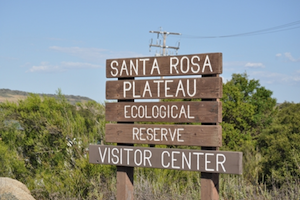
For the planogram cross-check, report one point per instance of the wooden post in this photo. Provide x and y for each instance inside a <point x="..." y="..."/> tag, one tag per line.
<point x="125" y="189"/>
<point x="210" y="181"/>
<point x="125" y="183"/>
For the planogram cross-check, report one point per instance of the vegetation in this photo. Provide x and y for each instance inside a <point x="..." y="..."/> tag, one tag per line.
<point x="15" y="95"/>
<point x="44" y="144"/>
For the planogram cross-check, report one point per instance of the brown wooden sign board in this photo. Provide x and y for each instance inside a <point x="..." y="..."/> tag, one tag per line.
<point x="180" y="112"/>
<point x="196" y="64"/>
<point x="191" y="135"/>
<point x="224" y="162"/>
<point x="187" y="88"/>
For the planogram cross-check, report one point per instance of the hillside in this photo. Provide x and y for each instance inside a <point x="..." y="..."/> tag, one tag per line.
<point x="15" y="95"/>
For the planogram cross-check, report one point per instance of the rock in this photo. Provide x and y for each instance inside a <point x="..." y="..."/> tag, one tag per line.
<point x="11" y="189"/>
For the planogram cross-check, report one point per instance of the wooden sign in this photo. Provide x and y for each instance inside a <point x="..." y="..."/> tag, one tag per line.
<point x="192" y="135"/>
<point x="196" y="64"/>
<point x="184" y="111"/>
<point x="126" y="112"/>
<point x="165" y="88"/>
<point x="224" y="162"/>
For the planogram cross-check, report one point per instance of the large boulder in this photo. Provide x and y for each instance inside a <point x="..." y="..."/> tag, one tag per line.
<point x="11" y="189"/>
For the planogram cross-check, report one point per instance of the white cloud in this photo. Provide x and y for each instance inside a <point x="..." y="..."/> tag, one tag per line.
<point x="9" y="58"/>
<point x="288" y="57"/>
<point x="254" y="65"/>
<point x="93" y="54"/>
<point x="271" y="77"/>
<point x="64" y="66"/>
<point x="234" y="64"/>
<point x="45" y="67"/>
<point x="54" y="39"/>
<point x="84" y="53"/>
<point x="78" y="65"/>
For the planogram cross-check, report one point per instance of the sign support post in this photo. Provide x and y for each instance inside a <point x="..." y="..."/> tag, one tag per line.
<point x="125" y="187"/>
<point x="210" y="181"/>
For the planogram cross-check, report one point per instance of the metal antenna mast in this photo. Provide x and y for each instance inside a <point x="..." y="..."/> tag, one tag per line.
<point x="164" y="34"/>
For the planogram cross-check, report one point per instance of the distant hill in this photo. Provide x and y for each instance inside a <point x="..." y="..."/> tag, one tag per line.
<point x="15" y="95"/>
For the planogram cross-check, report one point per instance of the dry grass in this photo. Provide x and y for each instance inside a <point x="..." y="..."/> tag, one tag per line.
<point x="12" y="98"/>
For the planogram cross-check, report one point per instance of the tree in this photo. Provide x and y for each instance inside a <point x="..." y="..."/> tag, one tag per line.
<point x="247" y="109"/>
<point x="280" y="146"/>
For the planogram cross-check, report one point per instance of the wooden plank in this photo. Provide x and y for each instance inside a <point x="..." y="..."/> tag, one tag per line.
<point x="181" y="112"/>
<point x="196" y="64"/>
<point x="192" y="135"/>
<point x="224" y="162"/>
<point x="187" y="88"/>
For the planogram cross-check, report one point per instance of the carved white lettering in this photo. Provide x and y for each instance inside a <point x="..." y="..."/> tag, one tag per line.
<point x="114" y="68"/>
<point x="144" y="64"/>
<point x="157" y="134"/>
<point x="207" y="64"/>
<point x="220" y="163"/>
<point x="155" y="66"/>
<point x="188" y="65"/>
<point x="172" y="159"/>
<point x="195" y="64"/>
<point x="182" y="88"/>
<point x="135" y="68"/>
<point x="144" y="67"/>
<point x="162" y="111"/>
<point x="207" y="161"/>
<point x="124" y="68"/>
<point x="182" y="65"/>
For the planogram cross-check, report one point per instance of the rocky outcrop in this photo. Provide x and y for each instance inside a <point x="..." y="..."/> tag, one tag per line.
<point x="11" y="189"/>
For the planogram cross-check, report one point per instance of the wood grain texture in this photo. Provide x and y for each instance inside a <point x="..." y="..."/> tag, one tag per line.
<point x="192" y="135"/>
<point x="180" y="112"/>
<point x="165" y="88"/>
<point x="162" y="66"/>
<point x="125" y="188"/>
<point x="225" y="162"/>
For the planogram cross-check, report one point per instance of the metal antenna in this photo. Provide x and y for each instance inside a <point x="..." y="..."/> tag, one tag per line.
<point x="164" y="47"/>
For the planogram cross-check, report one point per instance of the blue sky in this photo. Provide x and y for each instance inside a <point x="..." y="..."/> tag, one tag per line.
<point x="46" y="45"/>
